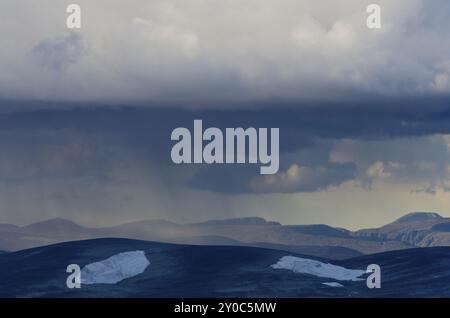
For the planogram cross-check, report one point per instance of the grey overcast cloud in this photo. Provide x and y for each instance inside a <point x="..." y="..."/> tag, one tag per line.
<point x="196" y="53"/>
<point x="86" y="114"/>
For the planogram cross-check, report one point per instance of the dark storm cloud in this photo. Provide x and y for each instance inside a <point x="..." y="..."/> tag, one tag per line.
<point x="300" y="124"/>
<point x="93" y="139"/>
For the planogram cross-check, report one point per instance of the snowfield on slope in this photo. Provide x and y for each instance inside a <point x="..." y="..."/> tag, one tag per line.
<point x="319" y="269"/>
<point x="333" y="284"/>
<point x="115" y="269"/>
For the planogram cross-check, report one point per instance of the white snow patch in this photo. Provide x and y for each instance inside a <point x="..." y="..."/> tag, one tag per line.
<point x="114" y="269"/>
<point x="316" y="268"/>
<point x="333" y="284"/>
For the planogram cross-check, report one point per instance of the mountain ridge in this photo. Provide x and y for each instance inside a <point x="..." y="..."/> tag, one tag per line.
<point x="418" y="216"/>
<point x="318" y="240"/>
<point x="420" y="229"/>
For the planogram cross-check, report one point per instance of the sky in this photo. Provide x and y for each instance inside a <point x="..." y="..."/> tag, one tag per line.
<point x="86" y="115"/>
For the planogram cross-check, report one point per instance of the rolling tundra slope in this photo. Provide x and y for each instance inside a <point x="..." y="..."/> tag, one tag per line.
<point x="170" y="270"/>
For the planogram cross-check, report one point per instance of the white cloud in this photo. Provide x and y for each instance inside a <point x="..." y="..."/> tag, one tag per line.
<point x="166" y="35"/>
<point x="422" y="161"/>
<point x="441" y="80"/>
<point x="378" y="170"/>
<point x="281" y="181"/>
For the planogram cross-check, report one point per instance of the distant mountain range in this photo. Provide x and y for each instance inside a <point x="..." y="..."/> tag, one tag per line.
<point x="419" y="229"/>
<point x="220" y="271"/>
